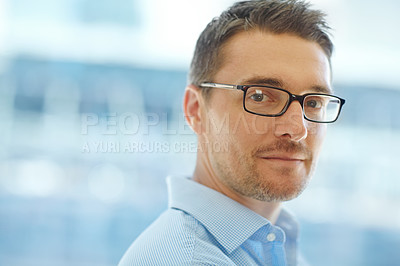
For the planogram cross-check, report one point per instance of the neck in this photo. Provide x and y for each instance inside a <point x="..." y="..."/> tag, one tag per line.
<point x="204" y="175"/>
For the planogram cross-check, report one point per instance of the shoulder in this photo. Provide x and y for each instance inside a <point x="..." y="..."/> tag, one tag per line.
<point x="175" y="238"/>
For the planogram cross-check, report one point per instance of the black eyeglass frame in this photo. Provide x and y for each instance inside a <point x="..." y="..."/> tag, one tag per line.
<point x="292" y="97"/>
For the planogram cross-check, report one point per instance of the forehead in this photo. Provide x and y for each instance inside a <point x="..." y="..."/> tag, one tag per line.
<point x="298" y="63"/>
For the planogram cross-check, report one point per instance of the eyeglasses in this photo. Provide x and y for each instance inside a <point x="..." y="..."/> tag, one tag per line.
<point x="272" y="102"/>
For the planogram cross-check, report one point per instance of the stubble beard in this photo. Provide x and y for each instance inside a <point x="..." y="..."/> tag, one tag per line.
<point x="243" y="176"/>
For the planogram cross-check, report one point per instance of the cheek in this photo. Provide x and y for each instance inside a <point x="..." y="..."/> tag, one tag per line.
<point x="247" y="125"/>
<point x="234" y="130"/>
<point x="316" y="135"/>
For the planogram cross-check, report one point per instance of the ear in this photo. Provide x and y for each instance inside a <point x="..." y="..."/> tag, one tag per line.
<point x="192" y="102"/>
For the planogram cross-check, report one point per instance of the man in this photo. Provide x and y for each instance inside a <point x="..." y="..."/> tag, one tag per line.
<point x="259" y="84"/>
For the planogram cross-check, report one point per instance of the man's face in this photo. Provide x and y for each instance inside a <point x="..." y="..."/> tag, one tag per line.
<point x="269" y="159"/>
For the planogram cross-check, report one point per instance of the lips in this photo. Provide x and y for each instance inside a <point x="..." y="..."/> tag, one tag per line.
<point x="284" y="153"/>
<point x="284" y="158"/>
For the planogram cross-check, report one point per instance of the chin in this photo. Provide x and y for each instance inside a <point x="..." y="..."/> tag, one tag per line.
<point x="276" y="190"/>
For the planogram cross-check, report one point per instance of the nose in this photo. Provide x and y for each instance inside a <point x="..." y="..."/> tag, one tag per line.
<point x="292" y="123"/>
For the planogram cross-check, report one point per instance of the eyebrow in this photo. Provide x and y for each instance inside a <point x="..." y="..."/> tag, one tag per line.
<point x="263" y="81"/>
<point x="321" y="89"/>
<point x="276" y="82"/>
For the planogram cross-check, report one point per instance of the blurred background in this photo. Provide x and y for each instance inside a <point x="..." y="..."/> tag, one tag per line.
<point x="91" y="124"/>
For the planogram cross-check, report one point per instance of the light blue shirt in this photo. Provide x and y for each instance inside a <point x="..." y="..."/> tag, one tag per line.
<point x="205" y="227"/>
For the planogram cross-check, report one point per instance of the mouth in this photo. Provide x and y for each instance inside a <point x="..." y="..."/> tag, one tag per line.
<point x="284" y="159"/>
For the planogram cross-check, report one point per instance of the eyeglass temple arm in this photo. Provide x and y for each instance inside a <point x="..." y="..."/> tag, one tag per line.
<point x="220" y="86"/>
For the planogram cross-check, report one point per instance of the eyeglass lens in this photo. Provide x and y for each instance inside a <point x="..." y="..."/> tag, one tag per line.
<point x="269" y="101"/>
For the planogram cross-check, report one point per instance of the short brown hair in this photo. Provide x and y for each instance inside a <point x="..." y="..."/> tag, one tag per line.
<point x="274" y="16"/>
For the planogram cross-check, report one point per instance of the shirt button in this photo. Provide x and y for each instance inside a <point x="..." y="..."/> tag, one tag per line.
<point x="271" y="237"/>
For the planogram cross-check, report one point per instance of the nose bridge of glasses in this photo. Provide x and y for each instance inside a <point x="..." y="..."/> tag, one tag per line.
<point x="294" y="97"/>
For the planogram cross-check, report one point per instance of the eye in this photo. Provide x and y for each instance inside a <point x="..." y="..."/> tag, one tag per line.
<point x="314" y="103"/>
<point x="258" y="96"/>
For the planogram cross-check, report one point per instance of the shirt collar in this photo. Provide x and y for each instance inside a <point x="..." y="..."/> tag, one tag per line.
<point x="218" y="213"/>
